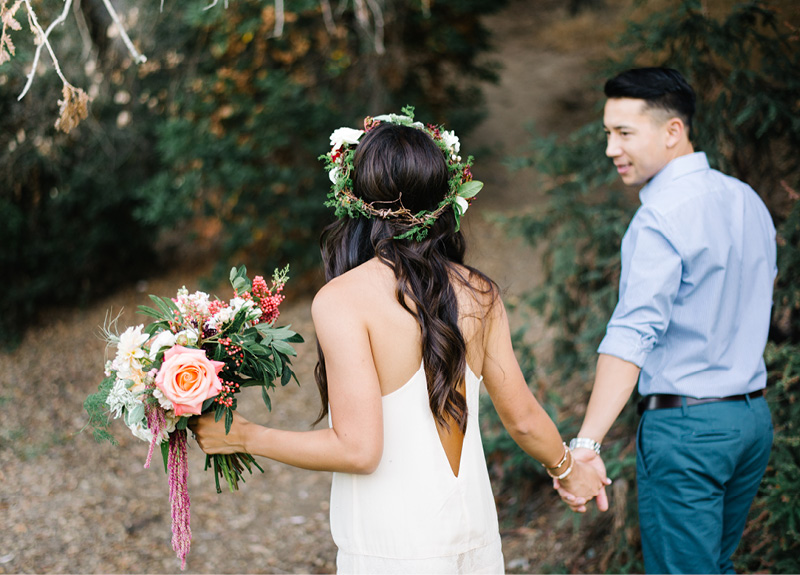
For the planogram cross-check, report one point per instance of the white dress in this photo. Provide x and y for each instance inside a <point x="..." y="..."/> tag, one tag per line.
<point x="413" y="515"/>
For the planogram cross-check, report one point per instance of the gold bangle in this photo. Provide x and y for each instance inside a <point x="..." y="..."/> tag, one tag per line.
<point x="563" y="459"/>
<point x="563" y="475"/>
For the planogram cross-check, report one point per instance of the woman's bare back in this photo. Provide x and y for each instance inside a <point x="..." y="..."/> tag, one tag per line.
<point x="395" y="337"/>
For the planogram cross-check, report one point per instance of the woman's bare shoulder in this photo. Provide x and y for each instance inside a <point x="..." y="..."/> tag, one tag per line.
<point x="354" y="289"/>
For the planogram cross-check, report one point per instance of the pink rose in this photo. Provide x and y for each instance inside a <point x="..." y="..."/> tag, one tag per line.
<point x="187" y="378"/>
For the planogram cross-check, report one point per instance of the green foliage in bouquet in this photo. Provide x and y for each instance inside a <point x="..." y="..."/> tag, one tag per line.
<point x="746" y="70"/>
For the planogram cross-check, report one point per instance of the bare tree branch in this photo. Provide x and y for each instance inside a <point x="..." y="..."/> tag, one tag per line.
<point x="280" y="17"/>
<point x="42" y="39"/>
<point x="327" y="16"/>
<point x="137" y="57"/>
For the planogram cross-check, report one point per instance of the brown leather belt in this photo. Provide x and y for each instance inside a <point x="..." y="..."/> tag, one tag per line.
<point x="662" y="400"/>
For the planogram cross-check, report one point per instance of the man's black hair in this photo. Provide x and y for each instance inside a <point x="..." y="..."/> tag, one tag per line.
<point x="662" y="88"/>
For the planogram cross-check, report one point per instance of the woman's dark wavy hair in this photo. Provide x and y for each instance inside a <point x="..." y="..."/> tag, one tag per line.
<point x="396" y="163"/>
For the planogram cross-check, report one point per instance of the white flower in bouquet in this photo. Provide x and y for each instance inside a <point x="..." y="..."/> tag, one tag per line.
<point x="164" y="339"/>
<point x="187" y="337"/>
<point x="129" y="348"/>
<point x="192" y="304"/>
<point x="140" y="430"/>
<point x="252" y="311"/>
<point x="163" y="401"/>
<point x="345" y="136"/>
<point x="223" y="316"/>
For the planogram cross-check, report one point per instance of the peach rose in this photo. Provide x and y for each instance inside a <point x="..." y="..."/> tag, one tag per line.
<point x="187" y="378"/>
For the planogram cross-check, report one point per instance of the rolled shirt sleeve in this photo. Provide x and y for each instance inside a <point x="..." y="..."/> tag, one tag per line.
<point x="649" y="282"/>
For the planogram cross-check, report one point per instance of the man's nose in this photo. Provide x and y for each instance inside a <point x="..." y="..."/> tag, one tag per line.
<point x="612" y="147"/>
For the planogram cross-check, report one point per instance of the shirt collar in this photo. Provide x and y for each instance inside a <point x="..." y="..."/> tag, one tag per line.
<point x="677" y="168"/>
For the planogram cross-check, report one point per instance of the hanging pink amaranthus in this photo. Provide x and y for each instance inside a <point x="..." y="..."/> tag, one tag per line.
<point x="156" y="422"/>
<point x="178" y="468"/>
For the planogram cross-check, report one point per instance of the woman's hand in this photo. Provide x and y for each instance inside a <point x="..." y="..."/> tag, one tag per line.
<point x="581" y="486"/>
<point x="211" y="436"/>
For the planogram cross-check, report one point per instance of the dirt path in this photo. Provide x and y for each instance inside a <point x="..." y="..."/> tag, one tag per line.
<point x="70" y="505"/>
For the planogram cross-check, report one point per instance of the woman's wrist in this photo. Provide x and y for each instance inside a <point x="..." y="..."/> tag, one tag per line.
<point x="563" y="468"/>
<point x="243" y="438"/>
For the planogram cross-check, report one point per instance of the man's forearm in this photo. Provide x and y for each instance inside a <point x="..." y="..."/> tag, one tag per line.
<point x="614" y="382"/>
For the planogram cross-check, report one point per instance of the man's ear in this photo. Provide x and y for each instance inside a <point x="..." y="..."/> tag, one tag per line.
<point x="676" y="132"/>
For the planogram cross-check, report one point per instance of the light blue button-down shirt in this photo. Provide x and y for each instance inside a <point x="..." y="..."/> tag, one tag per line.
<point x="695" y="296"/>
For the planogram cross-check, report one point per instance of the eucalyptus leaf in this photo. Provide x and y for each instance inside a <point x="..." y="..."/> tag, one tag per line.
<point x="470" y="189"/>
<point x="135" y="415"/>
<point x="257" y="349"/>
<point x="283" y="347"/>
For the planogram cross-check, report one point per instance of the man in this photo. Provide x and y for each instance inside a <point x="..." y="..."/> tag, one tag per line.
<point x="695" y="297"/>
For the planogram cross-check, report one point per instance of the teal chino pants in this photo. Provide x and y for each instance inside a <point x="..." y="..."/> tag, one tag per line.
<point x="698" y="469"/>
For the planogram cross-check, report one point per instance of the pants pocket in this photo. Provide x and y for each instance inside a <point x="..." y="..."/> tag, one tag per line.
<point x="711" y="436"/>
<point x="641" y="461"/>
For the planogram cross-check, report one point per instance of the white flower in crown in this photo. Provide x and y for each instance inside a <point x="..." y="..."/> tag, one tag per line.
<point x="461" y="205"/>
<point x="451" y="141"/>
<point x="399" y="119"/>
<point x="343" y="136"/>
<point x="334" y="174"/>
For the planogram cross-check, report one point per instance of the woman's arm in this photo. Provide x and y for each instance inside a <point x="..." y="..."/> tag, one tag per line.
<point x="523" y="416"/>
<point x="355" y="442"/>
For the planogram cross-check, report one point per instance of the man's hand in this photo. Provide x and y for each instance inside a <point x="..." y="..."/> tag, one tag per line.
<point x="578" y="504"/>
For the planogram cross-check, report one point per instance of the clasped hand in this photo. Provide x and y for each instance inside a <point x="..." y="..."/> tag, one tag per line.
<point x="211" y="436"/>
<point x="587" y="481"/>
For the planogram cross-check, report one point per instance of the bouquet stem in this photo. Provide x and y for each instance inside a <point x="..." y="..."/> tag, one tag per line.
<point x="230" y="467"/>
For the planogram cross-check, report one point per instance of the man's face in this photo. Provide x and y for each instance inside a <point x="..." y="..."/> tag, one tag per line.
<point x="636" y="139"/>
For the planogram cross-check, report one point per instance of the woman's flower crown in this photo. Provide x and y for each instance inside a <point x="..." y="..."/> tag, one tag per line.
<point x="339" y="164"/>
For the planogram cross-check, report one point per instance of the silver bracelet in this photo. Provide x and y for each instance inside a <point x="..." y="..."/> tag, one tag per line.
<point x="586" y="443"/>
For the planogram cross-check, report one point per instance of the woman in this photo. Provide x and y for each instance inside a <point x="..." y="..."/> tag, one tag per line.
<point x="403" y="328"/>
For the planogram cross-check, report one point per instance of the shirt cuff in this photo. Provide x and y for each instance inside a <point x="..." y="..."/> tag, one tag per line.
<point x="626" y="344"/>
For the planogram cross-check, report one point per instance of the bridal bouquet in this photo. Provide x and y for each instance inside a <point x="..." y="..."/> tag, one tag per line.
<point x="195" y="357"/>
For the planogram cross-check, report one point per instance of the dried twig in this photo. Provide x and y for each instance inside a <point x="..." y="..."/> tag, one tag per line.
<point x="327" y="16"/>
<point x="137" y="57"/>
<point x="377" y="17"/>
<point x="42" y="39"/>
<point x="280" y="17"/>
